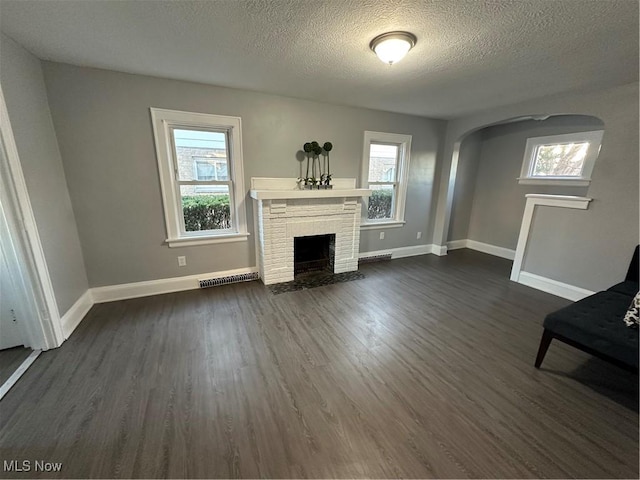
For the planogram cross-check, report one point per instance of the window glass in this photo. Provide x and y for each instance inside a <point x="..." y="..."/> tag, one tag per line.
<point x="382" y="160"/>
<point x="381" y="202"/>
<point x="385" y="167"/>
<point x="560" y="160"/>
<point x="565" y="159"/>
<point x="201" y="172"/>
<point x="206" y="212"/>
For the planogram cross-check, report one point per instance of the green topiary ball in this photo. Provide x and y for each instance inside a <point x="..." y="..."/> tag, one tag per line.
<point x="307" y="147"/>
<point x="317" y="150"/>
<point x="327" y="146"/>
<point x="315" y="144"/>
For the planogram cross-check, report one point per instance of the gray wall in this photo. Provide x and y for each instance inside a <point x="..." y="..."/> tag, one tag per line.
<point x="105" y="137"/>
<point x="25" y="95"/>
<point x="465" y="186"/>
<point x="499" y="200"/>
<point x="598" y="244"/>
<point x="592" y="248"/>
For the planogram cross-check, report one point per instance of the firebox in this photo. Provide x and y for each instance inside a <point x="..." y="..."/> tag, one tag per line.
<point x="314" y="253"/>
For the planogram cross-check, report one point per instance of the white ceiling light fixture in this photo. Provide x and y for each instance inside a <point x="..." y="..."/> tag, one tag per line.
<point x="391" y="47"/>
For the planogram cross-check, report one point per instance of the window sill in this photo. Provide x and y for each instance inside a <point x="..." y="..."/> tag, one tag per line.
<point x="390" y="224"/>
<point x="566" y="182"/>
<point x="206" y="240"/>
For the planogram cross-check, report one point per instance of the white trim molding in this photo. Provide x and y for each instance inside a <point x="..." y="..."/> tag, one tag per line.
<point x="381" y="225"/>
<point x="536" y="200"/>
<point x="49" y="327"/>
<point x="556" y="181"/>
<point x="457" y="244"/>
<point x="560" y="289"/>
<point x="399" y="252"/>
<point x="494" y="250"/>
<point x="76" y="313"/>
<point x="439" y="250"/>
<point x="125" y="291"/>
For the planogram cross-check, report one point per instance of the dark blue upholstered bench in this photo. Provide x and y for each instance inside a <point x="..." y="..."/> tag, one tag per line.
<point x="594" y="324"/>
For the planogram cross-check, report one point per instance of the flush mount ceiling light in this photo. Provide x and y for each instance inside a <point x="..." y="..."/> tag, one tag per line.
<point x="391" y="47"/>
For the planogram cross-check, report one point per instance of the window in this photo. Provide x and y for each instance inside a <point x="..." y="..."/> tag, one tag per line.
<point x="385" y="167"/>
<point x="561" y="159"/>
<point x="201" y="176"/>
<point x="207" y="169"/>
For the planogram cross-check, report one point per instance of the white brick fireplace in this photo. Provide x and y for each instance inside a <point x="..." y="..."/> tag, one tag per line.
<point x="284" y="212"/>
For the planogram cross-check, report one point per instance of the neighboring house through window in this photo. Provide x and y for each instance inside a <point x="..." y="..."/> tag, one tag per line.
<point x="210" y="168"/>
<point x="201" y="176"/>
<point x="561" y="159"/>
<point x="385" y="167"/>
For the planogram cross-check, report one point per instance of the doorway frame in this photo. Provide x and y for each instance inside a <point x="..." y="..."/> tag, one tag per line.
<point x="45" y="331"/>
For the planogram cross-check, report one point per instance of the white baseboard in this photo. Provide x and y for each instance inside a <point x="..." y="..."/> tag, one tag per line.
<point x="412" y="251"/>
<point x="554" y="287"/>
<point x="76" y="313"/>
<point x="440" y="250"/>
<point x="124" y="291"/>
<point x="399" y="252"/>
<point x="457" y="244"/>
<point x="491" y="249"/>
<point x="482" y="247"/>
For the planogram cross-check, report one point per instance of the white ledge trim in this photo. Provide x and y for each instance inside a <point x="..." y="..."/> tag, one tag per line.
<point x="535" y="200"/>
<point x="206" y="240"/>
<point x="559" y="181"/>
<point x="372" y="225"/>
<point x="558" y="200"/>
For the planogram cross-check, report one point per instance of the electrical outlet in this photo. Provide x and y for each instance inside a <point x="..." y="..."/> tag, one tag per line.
<point x="419" y="236"/>
<point x="381" y="235"/>
<point x="182" y="261"/>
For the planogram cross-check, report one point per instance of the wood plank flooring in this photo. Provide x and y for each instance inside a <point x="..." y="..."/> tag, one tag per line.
<point x="10" y="360"/>
<point x="422" y="369"/>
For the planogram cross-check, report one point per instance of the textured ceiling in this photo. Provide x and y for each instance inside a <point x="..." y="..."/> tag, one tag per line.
<point x="470" y="55"/>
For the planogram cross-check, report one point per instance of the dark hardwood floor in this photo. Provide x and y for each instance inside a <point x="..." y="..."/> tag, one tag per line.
<point x="422" y="369"/>
<point x="10" y="360"/>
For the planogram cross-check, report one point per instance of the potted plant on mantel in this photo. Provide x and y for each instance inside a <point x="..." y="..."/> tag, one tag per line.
<point x="321" y="181"/>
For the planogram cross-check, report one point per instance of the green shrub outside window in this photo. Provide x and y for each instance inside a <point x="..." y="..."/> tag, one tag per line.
<point x="206" y="212"/>
<point x="380" y="203"/>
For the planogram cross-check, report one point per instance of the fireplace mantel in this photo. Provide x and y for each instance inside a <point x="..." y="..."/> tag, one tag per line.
<point x="287" y="188"/>
<point x="302" y="194"/>
<point x="284" y="212"/>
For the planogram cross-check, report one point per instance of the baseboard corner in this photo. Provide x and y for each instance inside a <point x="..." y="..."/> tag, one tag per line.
<point x="72" y="318"/>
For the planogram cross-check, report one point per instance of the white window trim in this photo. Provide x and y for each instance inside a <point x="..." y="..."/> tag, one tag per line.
<point x="594" y="138"/>
<point x="163" y="120"/>
<point x="403" y="177"/>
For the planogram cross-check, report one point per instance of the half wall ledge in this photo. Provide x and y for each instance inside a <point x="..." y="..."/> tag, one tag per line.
<point x="536" y="200"/>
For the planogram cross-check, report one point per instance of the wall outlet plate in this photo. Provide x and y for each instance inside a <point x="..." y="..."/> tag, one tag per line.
<point x="381" y="235"/>
<point x="182" y="261"/>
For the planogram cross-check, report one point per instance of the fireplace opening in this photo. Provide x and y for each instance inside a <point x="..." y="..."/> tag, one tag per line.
<point x="314" y="253"/>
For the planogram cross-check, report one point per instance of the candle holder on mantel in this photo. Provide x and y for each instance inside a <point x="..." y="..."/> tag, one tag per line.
<point x="322" y="181"/>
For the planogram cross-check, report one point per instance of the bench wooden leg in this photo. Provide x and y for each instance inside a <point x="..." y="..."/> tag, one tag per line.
<point x="545" y="341"/>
